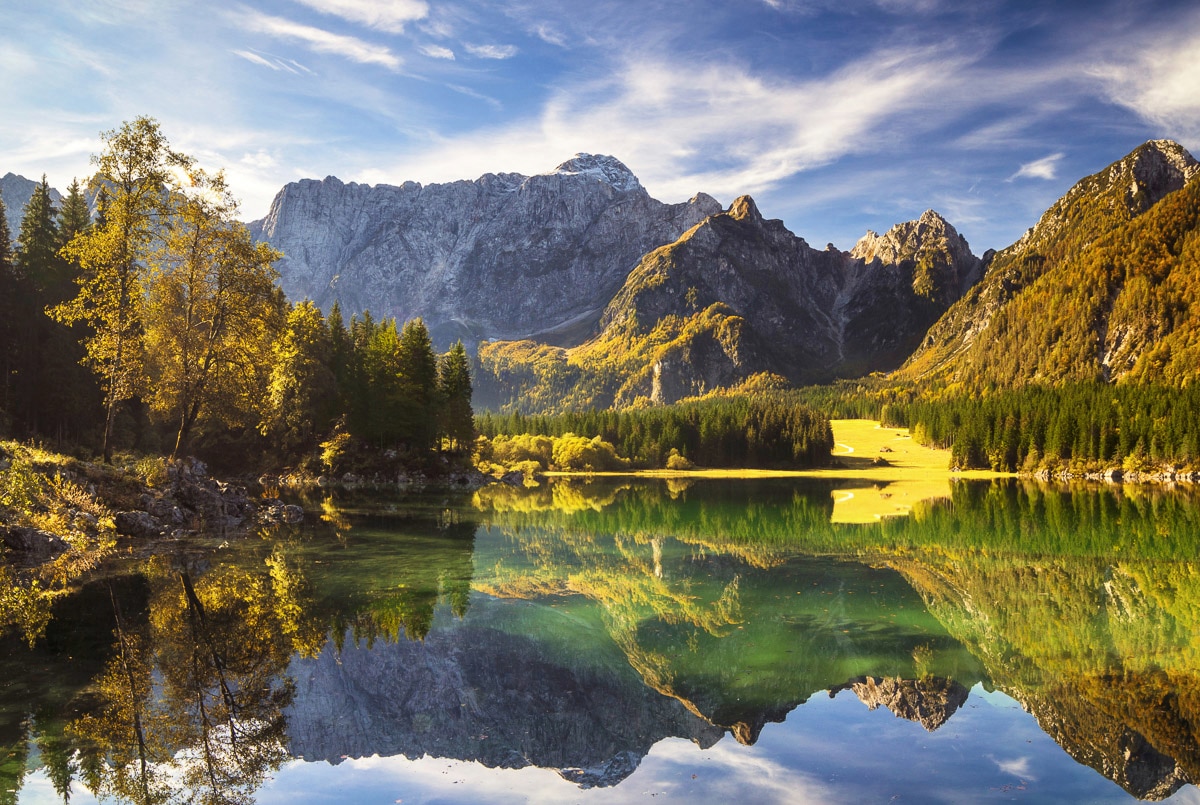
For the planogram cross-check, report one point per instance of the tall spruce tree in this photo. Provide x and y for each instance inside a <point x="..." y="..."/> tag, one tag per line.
<point x="418" y="387"/>
<point x="456" y="419"/>
<point x="8" y="308"/>
<point x="46" y="279"/>
<point x="73" y="216"/>
<point x="38" y="242"/>
<point x="302" y="395"/>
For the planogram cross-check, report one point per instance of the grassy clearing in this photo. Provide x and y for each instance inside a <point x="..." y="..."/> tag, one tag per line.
<point x="913" y="472"/>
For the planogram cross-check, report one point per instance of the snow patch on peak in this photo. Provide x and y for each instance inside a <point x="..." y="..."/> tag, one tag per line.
<point x="602" y="168"/>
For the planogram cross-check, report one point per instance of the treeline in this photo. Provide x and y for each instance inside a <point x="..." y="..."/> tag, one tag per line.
<point x="770" y="430"/>
<point x="1077" y="427"/>
<point x="149" y="319"/>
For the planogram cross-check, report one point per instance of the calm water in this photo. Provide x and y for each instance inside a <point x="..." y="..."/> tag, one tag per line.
<point x="607" y="642"/>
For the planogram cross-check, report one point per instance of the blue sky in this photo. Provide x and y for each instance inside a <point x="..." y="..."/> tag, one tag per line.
<point x="836" y="115"/>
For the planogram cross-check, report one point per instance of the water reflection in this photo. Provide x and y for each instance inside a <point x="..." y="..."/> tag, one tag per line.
<point x="574" y="627"/>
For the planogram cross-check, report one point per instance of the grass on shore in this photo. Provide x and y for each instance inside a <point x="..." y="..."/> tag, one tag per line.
<point x="912" y="472"/>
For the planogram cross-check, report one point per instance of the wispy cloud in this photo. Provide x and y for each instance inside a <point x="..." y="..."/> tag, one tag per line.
<point x="492" y="51"/>
<point x="437" y="52"/>
<point x="549" y="34"/>
<point x="322" y="41"/>
<point x="1158" y="79"/>
<point x="254" y="58"/>
<point x="1044" y="168"/>
<point x="385" y="15"/>
<point x="729" y="130"/>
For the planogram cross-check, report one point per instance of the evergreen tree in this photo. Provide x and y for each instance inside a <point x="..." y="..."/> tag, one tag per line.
<point x="38" y="243"/>
<point x="381" y="407"/>
<point x="454" y="389"/>
<point x="8" y="317"/>
<point x="74" y="216"/>
<point x="49" y="361"/>
<point x="418" y="387"/>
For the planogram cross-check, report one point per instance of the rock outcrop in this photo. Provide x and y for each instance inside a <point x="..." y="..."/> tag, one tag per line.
<point x="505" y="256"/>
<point x="929" y="701"/>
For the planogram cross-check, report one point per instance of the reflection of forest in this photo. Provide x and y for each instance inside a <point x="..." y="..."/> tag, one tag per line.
<point x="1081" y="605"/>
<point x="573" y="626"/>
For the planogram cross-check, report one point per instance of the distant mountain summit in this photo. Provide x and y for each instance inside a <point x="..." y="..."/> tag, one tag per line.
<point x="609" y="170"/>
<point x="504" y="256"/>
<point x="1104" y="287"/>
<point x="739" y="295"/>
<point x="16" y="191"/>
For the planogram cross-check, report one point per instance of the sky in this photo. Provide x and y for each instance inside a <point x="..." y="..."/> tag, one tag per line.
<point x="838" y="116"/>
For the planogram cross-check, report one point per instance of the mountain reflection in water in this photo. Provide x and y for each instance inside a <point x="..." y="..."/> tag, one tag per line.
<point x="574" y="627"/>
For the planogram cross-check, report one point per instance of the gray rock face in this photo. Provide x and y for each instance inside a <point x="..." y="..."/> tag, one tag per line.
<point x="505" y="256"/>
<point x="16" y="191"/>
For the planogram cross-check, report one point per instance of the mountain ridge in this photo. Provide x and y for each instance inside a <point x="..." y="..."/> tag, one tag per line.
<point x="503" y="256"/>
<point x="1051" y="266"/>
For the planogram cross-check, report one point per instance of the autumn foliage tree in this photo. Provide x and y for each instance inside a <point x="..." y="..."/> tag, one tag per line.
<point x="136" y="170"/>
<point x="211" y="312"/>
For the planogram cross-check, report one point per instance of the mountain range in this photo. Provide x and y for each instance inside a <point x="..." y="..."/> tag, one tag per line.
<point x="576" y="288"/>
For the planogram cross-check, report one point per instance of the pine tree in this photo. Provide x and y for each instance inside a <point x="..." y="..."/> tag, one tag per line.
<point x="74" y="216"/>
<point x="54" y="390"/>
<point x="454" y="388"/>
<point x="38" y="242"/>
<point x="8" y="317"/>
<point x="418" y="387"/>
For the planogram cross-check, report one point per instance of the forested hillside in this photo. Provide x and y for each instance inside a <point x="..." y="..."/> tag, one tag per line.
<point x="1104" y="287"/>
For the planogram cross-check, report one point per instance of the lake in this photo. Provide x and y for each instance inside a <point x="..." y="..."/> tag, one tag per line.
<point x="615" y="640"/>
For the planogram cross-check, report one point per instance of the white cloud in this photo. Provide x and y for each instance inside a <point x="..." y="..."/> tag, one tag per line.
<point x="492" y="51"/>
<point x="437" y="52"/>
<point x="321" y="40"/>
<point x="1044" y="168"/>
<point x="549" y="34"/>
<point x="720" y="128"/>
<point x="1018" y="767"/>
<point x="254" y="58"/>
<point x="386" y="15"/>
<point x="1158" y="79"/>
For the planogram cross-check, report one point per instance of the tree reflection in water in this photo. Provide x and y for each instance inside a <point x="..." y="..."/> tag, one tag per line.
<point x="736" y="602"/>
<point x="192" y="698"/>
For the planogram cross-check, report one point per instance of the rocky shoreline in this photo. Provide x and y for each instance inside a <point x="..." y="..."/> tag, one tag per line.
<point x="1116" y="475"/>
<point x="81" y="506"/>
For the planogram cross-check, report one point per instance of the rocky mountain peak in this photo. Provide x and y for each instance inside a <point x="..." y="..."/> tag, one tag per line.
<point x="905" y="241"/>
<point x="1129" y="187"/>
<point x="1159" y="167"/>
<point x="743" y="208"/>
<point x="607" y="169"/>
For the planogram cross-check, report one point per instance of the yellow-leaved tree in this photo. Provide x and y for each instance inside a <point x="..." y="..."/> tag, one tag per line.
<point x="133" y="176"/>
<point x="212" y="312"/>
